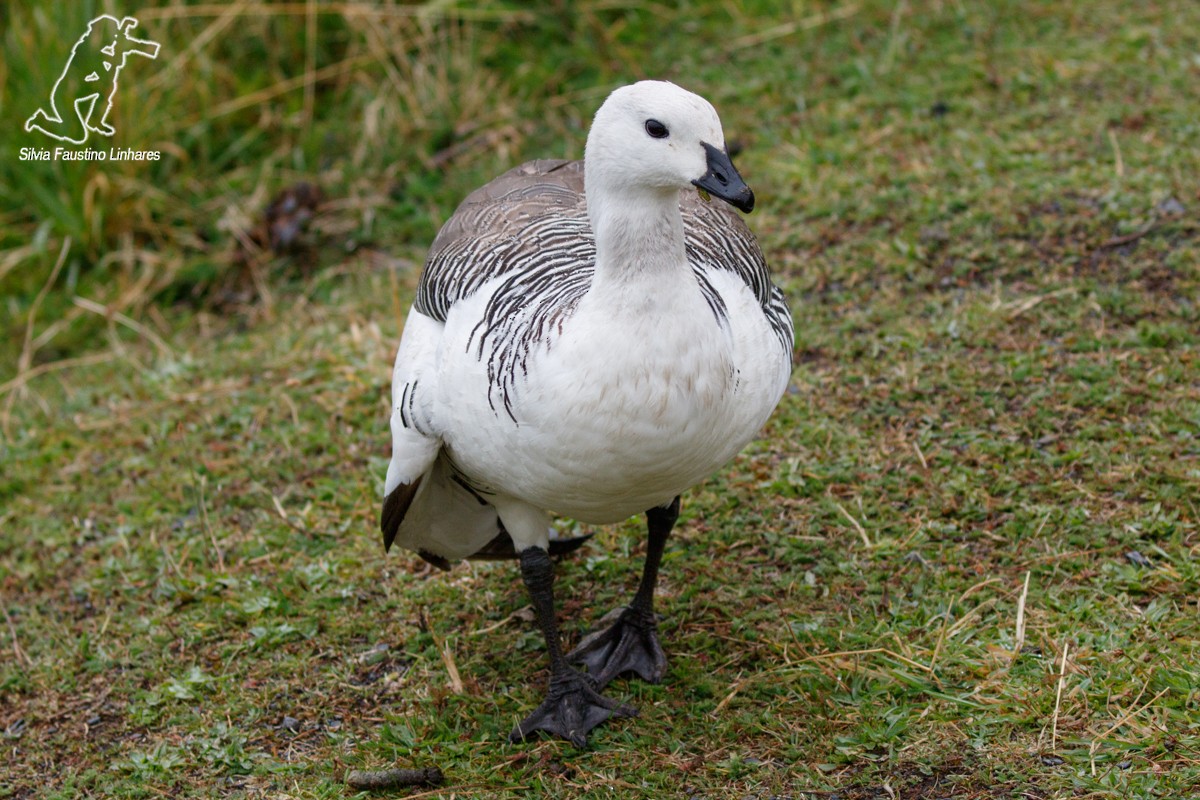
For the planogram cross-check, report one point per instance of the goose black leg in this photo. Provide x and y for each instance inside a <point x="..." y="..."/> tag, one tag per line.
<point x="631" y="643"/>
<point x="573" y="704"/>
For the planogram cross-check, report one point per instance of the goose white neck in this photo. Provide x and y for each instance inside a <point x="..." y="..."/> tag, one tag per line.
<point x="638" y="230"/>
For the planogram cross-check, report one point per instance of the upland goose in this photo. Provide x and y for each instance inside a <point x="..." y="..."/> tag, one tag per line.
<point x="589" y="339"/>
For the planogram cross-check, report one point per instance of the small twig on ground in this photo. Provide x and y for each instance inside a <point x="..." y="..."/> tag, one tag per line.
<point x="1019" y="636"/>
<point x="857" y="525"/>
<point x="377" y="779"/>
<point x="1062" y="678"/>
<point x="1129" y="238"/>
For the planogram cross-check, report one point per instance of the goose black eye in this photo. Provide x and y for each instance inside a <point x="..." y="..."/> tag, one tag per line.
<point x="656" y="129"/>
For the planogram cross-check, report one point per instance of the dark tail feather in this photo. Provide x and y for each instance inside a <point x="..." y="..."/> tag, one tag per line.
<point x="439" y="562"/>
<point x="395" y="506"/>
<point x="502" y="547"/>
<point x="562" y="547"/>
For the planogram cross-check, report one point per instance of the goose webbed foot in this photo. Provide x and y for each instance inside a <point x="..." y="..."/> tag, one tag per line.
<point x="572" y="707"/>
<point x="573" y="704"/>
<point x="629" y="645"/>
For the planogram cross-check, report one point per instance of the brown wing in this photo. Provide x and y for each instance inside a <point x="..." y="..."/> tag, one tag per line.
<point x="504" y="226"/>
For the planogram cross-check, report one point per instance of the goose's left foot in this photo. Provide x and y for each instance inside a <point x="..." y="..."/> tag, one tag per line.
<point x="629" y="645"/>
<point x="572" y="707"/>
<point x="573" y="704"/>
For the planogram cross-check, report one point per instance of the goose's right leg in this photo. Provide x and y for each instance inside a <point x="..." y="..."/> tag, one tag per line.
<point x="573" y="704"/>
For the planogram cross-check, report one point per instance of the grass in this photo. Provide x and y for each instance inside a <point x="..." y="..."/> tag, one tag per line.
<point x="960" y="562"/>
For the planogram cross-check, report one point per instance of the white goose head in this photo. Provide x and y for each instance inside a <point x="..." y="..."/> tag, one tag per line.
<point x="654" y="137"/>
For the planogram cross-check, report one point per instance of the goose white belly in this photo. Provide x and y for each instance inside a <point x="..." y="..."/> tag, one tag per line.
<point x="627" y="405"/>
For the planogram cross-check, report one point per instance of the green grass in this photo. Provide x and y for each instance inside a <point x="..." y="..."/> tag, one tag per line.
<point x="986" y="217"/>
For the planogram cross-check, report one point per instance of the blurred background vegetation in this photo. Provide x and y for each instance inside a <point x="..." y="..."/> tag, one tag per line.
<point x="393" y="110"/>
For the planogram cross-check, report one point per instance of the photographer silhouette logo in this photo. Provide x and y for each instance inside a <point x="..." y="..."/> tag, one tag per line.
<point x="88" y="84"/>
